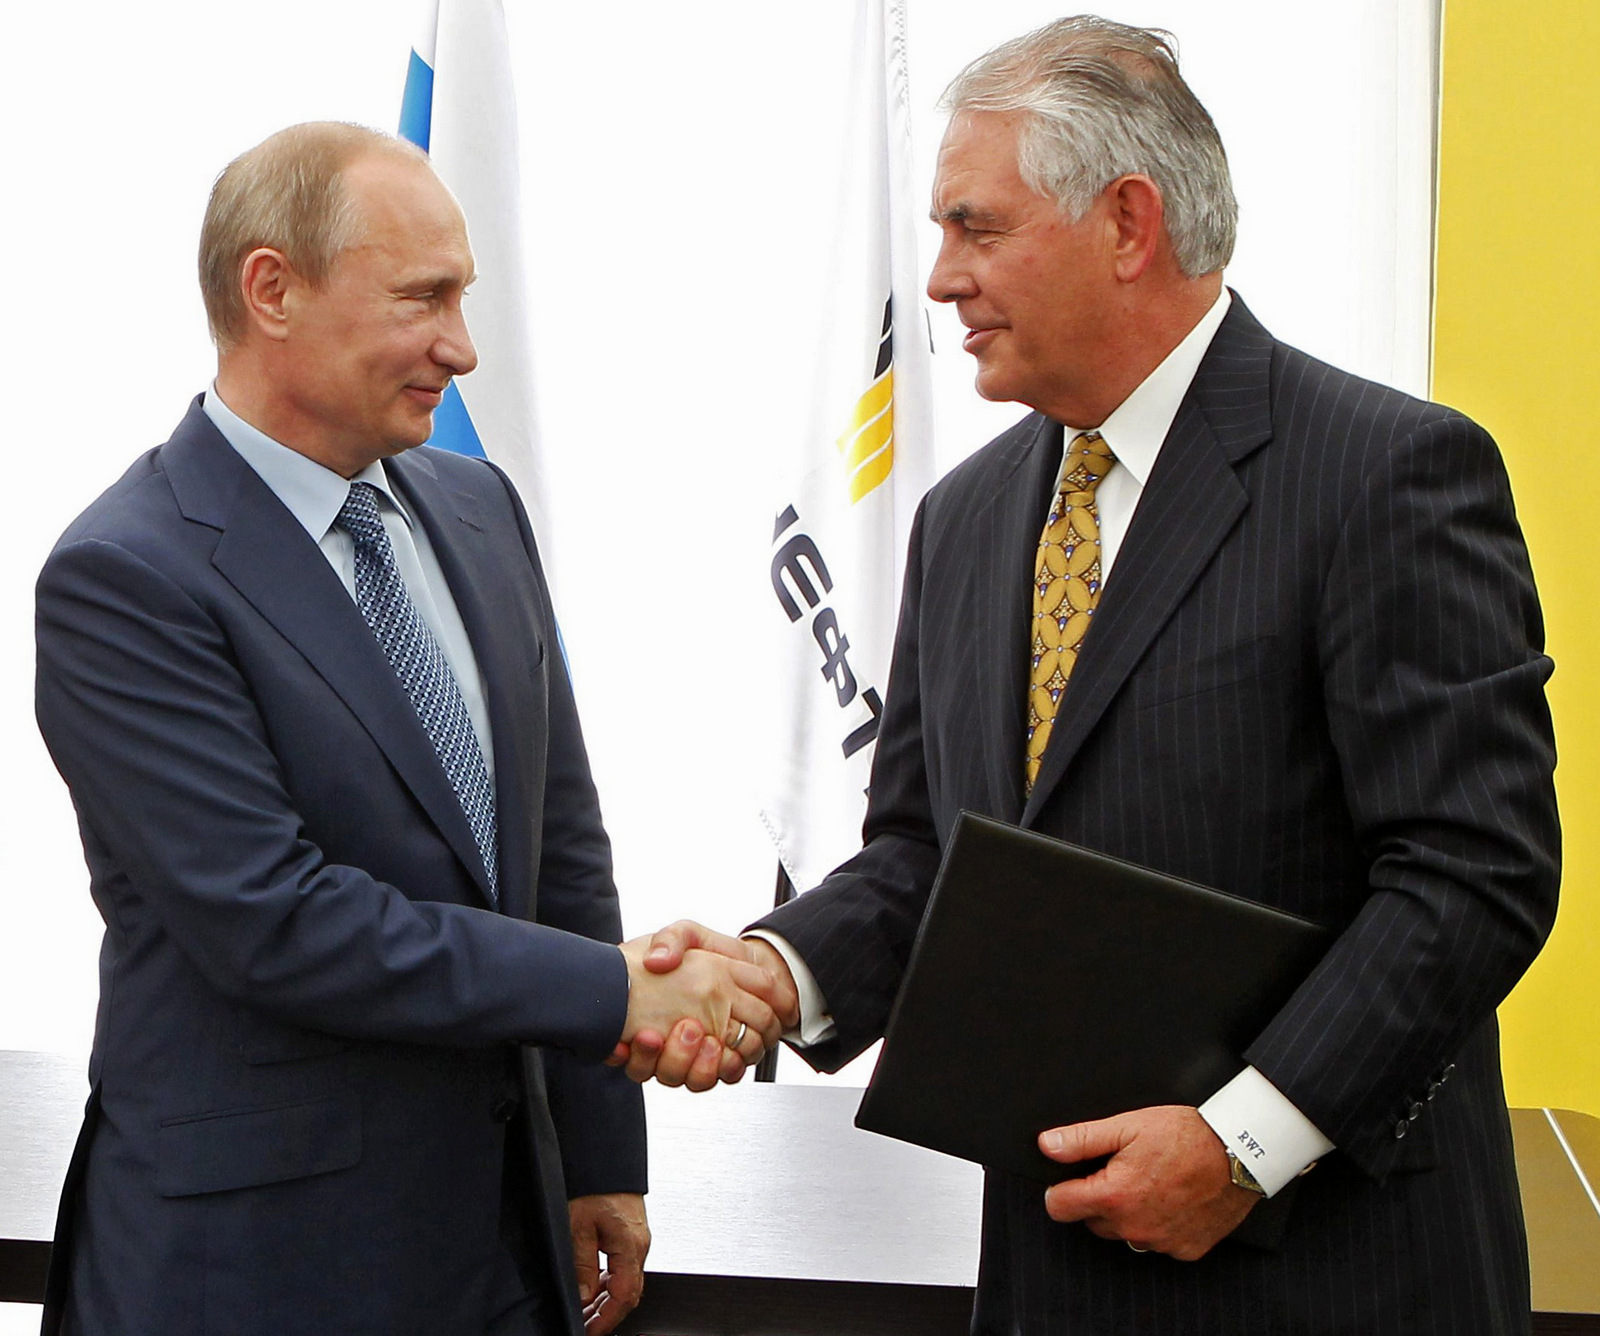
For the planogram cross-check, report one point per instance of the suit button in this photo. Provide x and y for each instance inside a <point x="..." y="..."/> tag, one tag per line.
<point x="504" y="1110"/>
<point x="1400" y="1129"/>
<point x="1445" y="1074"/>
<point x="1414" y="1112"/>
<point x="1433" y="1089"/>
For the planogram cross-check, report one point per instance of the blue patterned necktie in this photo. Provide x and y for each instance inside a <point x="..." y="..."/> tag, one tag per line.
<point x="420" y="665"/>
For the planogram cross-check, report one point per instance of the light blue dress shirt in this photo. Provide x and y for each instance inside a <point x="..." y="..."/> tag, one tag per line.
<point x="314" y="495"/>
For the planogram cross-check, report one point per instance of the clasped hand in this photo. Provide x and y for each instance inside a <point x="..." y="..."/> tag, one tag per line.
<point x="702" y="1006"/>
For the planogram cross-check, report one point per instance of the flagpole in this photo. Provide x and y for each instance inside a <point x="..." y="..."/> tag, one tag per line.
<point x="862" y="463"/>
<point x="767" y="1068"/>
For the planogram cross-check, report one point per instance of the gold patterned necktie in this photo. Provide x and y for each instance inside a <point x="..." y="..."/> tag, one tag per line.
<point x="1066" y="587"/>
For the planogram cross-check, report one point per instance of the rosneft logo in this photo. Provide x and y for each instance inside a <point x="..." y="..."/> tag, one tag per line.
<point x="868" y="444"/>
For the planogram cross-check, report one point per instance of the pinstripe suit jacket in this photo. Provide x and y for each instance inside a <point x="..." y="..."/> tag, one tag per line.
<point x="1316" y="679"/>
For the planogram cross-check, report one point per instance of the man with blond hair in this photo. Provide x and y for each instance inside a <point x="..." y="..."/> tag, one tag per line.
<point x="360" y="966"/>
<point x="1219" y="609"/>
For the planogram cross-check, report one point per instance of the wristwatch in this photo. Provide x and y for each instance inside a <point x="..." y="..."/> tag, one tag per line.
<point x="1242" y="1177"/>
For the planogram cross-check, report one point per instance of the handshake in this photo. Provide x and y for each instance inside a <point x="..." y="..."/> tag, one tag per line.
<point x="702" y="1006"/>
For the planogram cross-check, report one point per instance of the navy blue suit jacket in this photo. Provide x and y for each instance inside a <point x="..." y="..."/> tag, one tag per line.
<point x="311" y="1026"/>
<point x="1315" y="679"/>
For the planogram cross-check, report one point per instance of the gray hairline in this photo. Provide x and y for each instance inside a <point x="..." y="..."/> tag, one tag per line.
<point x="1096" y="101"/>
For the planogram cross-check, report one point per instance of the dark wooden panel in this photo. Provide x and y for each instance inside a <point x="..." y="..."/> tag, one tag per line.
<point x="22" y="1271"/>
<point x="743" y="1306"/>
<point x="1566" y="1324"/>
<point x="740" y="1306"/>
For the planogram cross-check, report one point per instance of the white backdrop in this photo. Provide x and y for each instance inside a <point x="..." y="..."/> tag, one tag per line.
<point x="672" y="247"/>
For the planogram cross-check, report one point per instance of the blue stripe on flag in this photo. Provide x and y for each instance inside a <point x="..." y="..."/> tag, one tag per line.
<point x="416" y="105"/>
<point x="452" y="426"/>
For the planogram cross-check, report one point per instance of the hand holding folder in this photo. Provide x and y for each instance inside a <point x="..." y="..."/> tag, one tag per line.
<point x="1164" y="1185"/>
<point x="1094" y="988"/>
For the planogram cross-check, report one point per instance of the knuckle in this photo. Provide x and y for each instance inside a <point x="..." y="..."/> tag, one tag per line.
<point x="1116" y="1201"/>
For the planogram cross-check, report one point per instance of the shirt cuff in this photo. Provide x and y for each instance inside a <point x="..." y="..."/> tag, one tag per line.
<point x="1256" y="1121"/>
<point x="816" y="1025"/>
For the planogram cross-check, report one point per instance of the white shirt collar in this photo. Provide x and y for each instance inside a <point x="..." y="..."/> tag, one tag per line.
<point x="1139" y="424"/>
<point x="313" y="494"/>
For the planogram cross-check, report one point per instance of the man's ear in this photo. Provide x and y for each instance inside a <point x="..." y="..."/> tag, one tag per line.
<point x="265" y="279"/>
<point x="1139" y="215"/>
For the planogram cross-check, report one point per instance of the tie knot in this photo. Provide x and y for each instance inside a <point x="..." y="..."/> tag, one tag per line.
<point x="359" y="516"/>
<point x="1088" y="460"/>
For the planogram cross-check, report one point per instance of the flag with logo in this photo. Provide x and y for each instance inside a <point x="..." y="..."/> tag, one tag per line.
<point x="460" y="105"/>
<point x="844" y="515"/>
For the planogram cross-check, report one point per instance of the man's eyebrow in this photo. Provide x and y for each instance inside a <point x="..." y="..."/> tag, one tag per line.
<point x="961" y="213"/>
<point x="430" y="281"/>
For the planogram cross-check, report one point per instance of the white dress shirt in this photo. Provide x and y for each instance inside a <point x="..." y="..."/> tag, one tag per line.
<point x="1254" y="1120"/>
<point x="314" y="495"/>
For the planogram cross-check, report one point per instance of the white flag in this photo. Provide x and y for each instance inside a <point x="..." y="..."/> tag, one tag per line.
<point x="838" y="545"/>
<point x="460" y="105"/>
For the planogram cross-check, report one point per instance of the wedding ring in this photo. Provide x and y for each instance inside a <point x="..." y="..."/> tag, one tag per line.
<point x="1135" y="1246"/>
<point x="739" y="1038"/>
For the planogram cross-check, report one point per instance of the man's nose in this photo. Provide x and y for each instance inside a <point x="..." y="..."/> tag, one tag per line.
<point x="949" y="281"/>
<point x="454" y="348"/>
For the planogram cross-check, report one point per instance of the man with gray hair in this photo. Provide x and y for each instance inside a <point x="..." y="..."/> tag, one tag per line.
<point x="1222" y="610"/>
<point x="360" y="968"/>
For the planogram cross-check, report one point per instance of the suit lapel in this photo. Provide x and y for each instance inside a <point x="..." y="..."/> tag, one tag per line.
<point x="460" y="534"/>
<point x="1003" y="562"/>
<point x="266" y="555"/>
<point x="1190" y="503"/>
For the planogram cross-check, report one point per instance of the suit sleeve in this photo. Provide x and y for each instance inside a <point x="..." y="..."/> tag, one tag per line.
<point x="598" y="1112"/>
<point x="177" y="786"/>
<point x="856" y="929"/>
<point x="1430" y="643"/>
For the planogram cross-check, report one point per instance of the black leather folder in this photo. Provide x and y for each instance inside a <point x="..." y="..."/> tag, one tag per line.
<point x="1050" y="985"/>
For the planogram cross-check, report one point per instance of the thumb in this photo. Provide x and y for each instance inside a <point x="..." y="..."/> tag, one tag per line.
<point x="1084" y="1141"/>
<point x="667" y="946"/>
<point x="586" y="1256"/>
